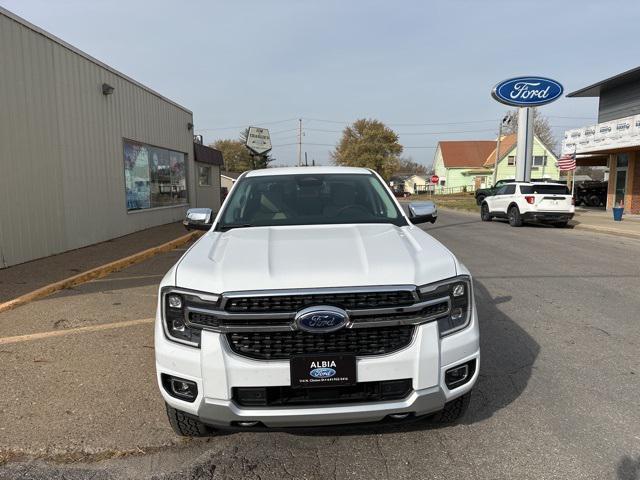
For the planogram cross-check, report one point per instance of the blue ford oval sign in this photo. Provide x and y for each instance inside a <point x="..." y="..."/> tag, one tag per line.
<point x="321" y="319"/>
<point x="527" y="91"/>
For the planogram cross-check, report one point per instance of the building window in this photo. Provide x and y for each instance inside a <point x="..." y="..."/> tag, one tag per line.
<point x="511" y="160"/>
<point x="540" y="161"/>
<point x="154" y="177"/>
<point x="442" y="182"/>
<point x="204" y="176"/>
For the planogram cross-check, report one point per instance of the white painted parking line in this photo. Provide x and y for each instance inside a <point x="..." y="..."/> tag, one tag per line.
<point x="72" y="331"/>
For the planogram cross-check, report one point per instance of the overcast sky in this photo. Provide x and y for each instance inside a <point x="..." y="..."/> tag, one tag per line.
<point x="267" y="63"/>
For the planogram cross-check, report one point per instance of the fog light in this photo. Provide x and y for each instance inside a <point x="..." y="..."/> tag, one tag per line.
<point x="175" y="301"/>
<point x="458" y="290"/>
<point x="456" y="314"/>
<point x="177" y="325"/>
<point x="180" y="388"/>
<point x="458" y="376"/>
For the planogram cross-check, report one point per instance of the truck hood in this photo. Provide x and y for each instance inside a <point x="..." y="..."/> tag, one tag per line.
<point x="291" y="257"/>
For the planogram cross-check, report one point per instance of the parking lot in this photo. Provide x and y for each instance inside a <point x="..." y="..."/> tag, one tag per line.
<point x="557" y="395"/>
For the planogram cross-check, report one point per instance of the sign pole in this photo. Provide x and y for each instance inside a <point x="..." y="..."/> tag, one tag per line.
<point x="524" y="152"/>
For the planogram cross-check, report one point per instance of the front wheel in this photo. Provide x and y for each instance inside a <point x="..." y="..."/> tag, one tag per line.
<point x="515" y="219"/>
<point x="485" y="215"/>
<point x="186" y="425"/>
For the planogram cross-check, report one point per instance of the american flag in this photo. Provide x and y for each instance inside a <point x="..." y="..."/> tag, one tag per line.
<point x="567" y="162"/>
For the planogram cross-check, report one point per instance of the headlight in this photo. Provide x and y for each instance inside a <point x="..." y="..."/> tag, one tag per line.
<point x="459" y="292"/>
<point x="175" y="314"/>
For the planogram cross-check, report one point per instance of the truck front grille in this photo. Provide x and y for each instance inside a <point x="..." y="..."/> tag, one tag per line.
<point x="293" y="303"/>
<point x="357" y="341"/>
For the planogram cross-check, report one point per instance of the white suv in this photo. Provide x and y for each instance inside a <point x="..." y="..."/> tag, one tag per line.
<point x="536" y="201"/>
<point x="313" y="299"/>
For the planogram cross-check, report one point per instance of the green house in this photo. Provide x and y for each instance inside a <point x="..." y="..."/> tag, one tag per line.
<point x="469" y="164"/>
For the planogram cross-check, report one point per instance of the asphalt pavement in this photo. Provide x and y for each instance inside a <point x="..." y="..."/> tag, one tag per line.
<point x="557" y="396"/>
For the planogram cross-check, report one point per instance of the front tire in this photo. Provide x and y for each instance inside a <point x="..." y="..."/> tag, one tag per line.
<point x="515" y="219"/>
<point x="485" y="215"/>
<point x="186" y="425"/>
<point x="452" y="411"/>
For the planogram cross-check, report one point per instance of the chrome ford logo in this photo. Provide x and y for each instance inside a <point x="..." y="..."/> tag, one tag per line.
<point x="527" y="91"/>
<point x="322" y="372"/>
<point x="321" y="319"/>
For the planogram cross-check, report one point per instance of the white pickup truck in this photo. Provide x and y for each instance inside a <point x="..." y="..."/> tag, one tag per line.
<point x="530" y="201"/>
<point x="313" y="299"/>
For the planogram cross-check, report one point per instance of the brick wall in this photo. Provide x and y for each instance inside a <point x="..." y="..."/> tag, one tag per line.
<point x="634" y="184"/>
<point x="612" y="182"/>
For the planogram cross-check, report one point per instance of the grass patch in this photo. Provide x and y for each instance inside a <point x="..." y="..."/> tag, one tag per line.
<point x="458" y="201"/>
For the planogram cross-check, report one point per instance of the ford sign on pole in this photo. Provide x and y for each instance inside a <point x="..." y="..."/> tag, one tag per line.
<point x="527" y="91"/>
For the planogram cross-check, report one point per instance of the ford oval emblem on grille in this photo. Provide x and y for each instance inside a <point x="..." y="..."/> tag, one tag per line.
<point x="322" y="372"/>
<point x="321" y="319"/>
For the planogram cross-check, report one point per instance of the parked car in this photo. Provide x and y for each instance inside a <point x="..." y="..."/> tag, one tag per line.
<point x="483" y="193"/>
<point x="314" y="299"/>
<point x="530" y="201"/>
<point x="591" y="194"/>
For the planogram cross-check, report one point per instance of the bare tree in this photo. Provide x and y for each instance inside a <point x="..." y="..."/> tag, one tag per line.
<point x="541" y="128"/>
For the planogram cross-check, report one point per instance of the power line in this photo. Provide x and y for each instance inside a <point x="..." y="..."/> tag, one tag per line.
<point x="275" y="122"/>
<point x="404" y="124"/>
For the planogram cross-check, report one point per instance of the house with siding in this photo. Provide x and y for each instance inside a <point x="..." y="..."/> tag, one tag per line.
<point x="545" y="162"/>
<point x="460" y="164"/>
<point x="470" y="163"/>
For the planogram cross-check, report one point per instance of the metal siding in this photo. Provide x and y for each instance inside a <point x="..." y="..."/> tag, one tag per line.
<point x="61" y="147"/>
<point x="619" y="102"/>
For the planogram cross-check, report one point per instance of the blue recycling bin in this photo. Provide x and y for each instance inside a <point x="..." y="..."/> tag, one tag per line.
<point x="617" y="213"/>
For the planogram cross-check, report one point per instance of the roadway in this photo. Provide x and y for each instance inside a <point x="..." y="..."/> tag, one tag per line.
<point x="557" y="395"/>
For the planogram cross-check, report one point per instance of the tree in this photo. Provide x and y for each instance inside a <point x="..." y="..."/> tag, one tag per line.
<point x="371" y="144"/>
<point x="237" y="157"/>
<point x="406" y="166"/>
<point x="541" y="128"/>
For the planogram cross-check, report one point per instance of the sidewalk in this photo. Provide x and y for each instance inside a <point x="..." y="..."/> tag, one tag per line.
<point x="26" y="277"/>
<point x="602" y="221"/>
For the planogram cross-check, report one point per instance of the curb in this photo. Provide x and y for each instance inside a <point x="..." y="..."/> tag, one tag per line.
<point x="608" y="231"/>
<point x="97" y="272"/>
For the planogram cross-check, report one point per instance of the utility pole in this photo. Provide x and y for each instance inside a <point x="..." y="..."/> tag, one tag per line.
<point x="306" y="161"/>
<point x="506" y="120"/>
<point x="299" y="142"/>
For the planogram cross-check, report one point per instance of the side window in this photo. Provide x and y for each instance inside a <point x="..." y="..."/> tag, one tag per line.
<point x="509" y="189"/>
<point x="501" y="190"/>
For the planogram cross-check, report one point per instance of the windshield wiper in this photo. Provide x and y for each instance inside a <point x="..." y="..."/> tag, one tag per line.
<point x="224" y="228"/>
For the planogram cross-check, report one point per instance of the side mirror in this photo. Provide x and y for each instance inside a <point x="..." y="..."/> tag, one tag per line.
<point x="198" y="219"/>
<point x="422" y="212"/>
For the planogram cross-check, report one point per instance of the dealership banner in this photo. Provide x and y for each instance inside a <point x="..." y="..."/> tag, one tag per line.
<point x="620" y="133"/>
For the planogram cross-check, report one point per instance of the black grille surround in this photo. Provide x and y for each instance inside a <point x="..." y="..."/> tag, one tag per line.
<point x="292" y="303"/>
<point x="357" y="341"/>
<point x="362" y="392"/>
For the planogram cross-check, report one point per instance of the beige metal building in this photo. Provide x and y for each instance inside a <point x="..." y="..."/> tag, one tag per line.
<point x="86" y="153"/>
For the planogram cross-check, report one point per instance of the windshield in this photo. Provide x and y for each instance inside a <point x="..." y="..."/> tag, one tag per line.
<point x="544" y="189"/>
<point x="309" y="199"/>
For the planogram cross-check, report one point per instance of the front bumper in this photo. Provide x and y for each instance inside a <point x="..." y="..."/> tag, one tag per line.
<point x="216" y="371"/>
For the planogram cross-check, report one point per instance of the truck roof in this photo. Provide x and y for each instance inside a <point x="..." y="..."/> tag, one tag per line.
<point x="306" y="170"/>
